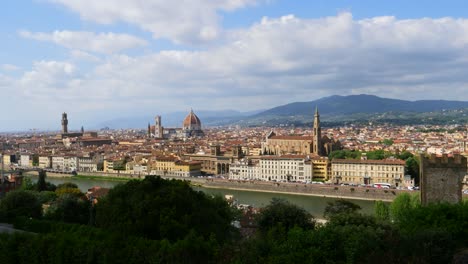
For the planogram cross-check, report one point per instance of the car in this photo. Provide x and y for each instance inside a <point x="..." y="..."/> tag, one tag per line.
<point x="465" y="191"/>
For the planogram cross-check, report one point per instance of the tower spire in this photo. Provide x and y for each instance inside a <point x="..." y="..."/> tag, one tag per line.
<point x="317" y="148"/>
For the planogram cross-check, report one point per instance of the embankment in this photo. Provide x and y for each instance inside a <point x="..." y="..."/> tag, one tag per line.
<point x="332" y="191"/>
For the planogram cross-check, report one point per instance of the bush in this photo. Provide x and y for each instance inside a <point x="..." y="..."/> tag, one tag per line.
<point x="20" y="203"/>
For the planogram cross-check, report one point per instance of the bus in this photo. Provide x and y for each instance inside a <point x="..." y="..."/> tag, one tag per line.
<point x="382" y="185"/>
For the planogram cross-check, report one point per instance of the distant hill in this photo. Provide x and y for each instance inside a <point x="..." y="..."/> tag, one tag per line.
<point x="335" y="110"/>
<point x="352" y="104"/>
<point x="174" y="119"/>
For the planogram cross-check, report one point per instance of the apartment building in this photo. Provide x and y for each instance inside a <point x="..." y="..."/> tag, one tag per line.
<point x="368" y="171"/>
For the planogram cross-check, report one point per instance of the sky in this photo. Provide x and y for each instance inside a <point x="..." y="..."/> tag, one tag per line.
<point x="107" y="59"/>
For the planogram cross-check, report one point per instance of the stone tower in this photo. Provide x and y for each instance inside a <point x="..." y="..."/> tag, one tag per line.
<point x="148" y="131"/>
<point x="215" y="150"/>
<point x="64" y="123"/>
<point x="237" y="152"/>
<point x="441" y="178"/>
<point x="158" y="130"/>
<point x="317" y="144"/>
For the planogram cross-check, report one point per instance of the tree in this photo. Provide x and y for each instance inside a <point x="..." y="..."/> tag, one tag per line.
<point x="35" y="160"/>
<point x="412" y="168"/>
<point x="345" y="154"/>
<point x="283" y="215"/>
<point x="41" y="182"/>
<point x="67" y="185"/>
<point x="20" y="203"/>
<point x="401" y="206"/>
<point x="70" y="209"/>
<point x="28" y="184"/>
<point x="164" y="209"/>
<point x="387" y="142"/>
<point x="340" y="207"/>
<point x="381" y="210"/>
<point x="378" y="154"/>
<point x="405" y="155"/>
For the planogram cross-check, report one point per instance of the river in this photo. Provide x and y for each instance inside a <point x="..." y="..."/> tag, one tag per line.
<point x="314" y="205"/>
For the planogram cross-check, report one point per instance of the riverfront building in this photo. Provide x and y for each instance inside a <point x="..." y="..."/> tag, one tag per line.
<point x="172" y="166"/>
<point x="368" y="171"/>
<point x="274" y="168"/>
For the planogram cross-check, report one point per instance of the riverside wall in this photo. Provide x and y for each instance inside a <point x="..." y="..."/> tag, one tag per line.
<point x="348" y="192"/>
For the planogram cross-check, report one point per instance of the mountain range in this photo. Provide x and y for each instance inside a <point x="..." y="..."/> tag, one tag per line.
<point x="335" y="110"/>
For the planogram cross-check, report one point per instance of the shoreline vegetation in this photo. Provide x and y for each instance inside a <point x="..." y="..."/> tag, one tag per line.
<point x="312" y="190"/>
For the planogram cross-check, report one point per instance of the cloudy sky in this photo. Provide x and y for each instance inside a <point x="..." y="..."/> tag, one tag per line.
<point x="100" y="60"/>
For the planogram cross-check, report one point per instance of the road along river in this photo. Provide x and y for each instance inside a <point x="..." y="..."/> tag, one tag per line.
<point x="313" y="204"/>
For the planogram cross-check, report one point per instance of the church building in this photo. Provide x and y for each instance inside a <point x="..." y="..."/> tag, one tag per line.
<point x="301" y="144"/>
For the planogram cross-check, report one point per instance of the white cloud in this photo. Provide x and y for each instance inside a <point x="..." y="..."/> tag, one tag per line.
<point x="47" y="79"/>
<point x="183" y="21"/>
<point x="276" y="61"/>
<point x="79" y="55"/>
<point x="9" y="67"/>
<point x="106" y="43"/>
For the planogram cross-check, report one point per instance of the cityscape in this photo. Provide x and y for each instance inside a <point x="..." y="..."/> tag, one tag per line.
<point x="234" y="132"/>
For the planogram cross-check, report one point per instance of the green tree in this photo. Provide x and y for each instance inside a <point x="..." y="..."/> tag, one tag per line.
<point x="70" y="209"/>
<point x="387" y="142"/>
<point x="381" y="210"/>
<point x="338" y="207"/>
<point x="378" y="154"/>
<point x="41" y="182"/>
<point x="20" y="203"/>
<point x="412" y="168"/>
<point x="345" y="154"/>
<point x="35" y="160"/>
<point x="405" y="155"/>
<point x="69" y="188"/>
<point x="283" y="215"/>
<point x="164" y="209"/>
<point x="67" y="185"/>
<point x="28" y="184"/>
<point x="401" y="206"/>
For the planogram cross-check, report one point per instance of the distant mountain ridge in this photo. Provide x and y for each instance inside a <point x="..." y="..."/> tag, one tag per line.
<point x="335" y="110"/>
<point x="363" y="103"/>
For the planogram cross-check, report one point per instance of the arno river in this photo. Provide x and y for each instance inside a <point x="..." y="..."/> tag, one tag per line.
<point x="315" y="205"/>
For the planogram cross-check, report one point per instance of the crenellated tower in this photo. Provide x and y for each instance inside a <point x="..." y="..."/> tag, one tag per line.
<point x="64" y="123"/>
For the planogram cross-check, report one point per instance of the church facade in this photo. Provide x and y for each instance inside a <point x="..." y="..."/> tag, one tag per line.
<point x="314" y="144"/>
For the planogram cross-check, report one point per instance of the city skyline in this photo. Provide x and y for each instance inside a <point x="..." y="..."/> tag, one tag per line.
<point x="124" y="58"/>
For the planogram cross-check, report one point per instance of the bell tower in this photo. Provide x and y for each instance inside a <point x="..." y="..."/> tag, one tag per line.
<point x="317" y="148"/>
<point x="64" y="123"/>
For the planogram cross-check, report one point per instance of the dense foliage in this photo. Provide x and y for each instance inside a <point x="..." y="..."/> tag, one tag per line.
<point x="164" y="209"/>
<point x="162" y="221"/>
<point x="282" y="215"/>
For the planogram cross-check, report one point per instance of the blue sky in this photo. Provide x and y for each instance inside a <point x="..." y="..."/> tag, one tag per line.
<point x="100" y="59"/>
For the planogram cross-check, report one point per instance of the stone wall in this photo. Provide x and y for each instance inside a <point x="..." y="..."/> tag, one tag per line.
<point x="348" y="192"/>
<point x="441" y="178"/>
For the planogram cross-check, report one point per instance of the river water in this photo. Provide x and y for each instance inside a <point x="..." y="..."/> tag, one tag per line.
<point x="314" y="205"/>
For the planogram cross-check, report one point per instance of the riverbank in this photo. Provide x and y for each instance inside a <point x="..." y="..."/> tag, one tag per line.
<point x="317" y="190"/>
<point x="327" y="191"/>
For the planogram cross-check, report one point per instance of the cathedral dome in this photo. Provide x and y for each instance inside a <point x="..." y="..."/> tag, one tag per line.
<point x="191" y="121"/>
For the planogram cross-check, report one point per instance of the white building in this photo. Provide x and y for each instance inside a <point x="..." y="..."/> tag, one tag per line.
<point x="70" y="163"/>
<point x="274" y="168"/>
<point x="368" y="171"/>
<point x="58" y="163"/>
<point x="87" y="164"/>
<point x="243" y="170"/>
<point x="25" y="160"/>
<point x="45" y="162"/>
